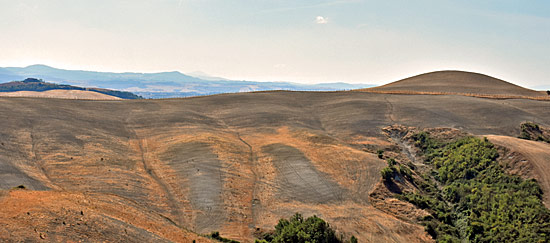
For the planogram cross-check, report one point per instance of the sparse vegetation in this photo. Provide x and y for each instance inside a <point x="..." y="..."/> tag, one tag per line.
<point x="380" y="153"/>
<point x="387" y="173"/>
<point x="393" y="169"/>
<point x="20" y="187"/>
<point x="391" y="161"/>
<point x="300" y="230"/>
<point x="532" y="131"/>
<point x="471" y="198"/>
<point x="216" y="236"/>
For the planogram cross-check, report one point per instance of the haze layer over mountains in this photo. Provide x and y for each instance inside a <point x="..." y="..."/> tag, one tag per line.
<point x="159" y="85"/>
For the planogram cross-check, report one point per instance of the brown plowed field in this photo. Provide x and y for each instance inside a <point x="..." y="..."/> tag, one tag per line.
<point x="154" y="170"/>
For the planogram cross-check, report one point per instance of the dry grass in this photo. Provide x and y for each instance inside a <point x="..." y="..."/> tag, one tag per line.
<point x="61" y="94"/>
<point x="61" y="216"/>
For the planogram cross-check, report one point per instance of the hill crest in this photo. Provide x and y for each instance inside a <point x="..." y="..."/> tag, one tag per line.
<point x="455" y="82"/>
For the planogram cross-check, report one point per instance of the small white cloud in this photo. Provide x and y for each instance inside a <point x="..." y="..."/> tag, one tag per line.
<point x="321" y="20"/>
<point x="279" y="66"/>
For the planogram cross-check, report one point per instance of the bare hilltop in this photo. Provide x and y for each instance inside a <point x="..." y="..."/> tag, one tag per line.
<point x="457" y="82"/>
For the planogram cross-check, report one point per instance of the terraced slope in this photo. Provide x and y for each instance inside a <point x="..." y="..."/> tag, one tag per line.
<point x="235" y="163"/>
<point x="457" y="82"/>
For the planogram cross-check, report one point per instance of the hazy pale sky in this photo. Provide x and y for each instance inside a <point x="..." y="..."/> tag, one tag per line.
<point x="354" y="41"/>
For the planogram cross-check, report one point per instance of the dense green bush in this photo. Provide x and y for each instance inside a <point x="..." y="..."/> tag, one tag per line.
<point x="300" y="230"/>
<point x="476" y="200"/>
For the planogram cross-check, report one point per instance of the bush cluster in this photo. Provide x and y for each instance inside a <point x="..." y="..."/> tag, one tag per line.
<point x="300" y="230"/>
<point x="476" y="200"/>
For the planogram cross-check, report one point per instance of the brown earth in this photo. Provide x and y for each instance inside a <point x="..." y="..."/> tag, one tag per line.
<point x="457" y="82"/>
<point x="60" y="216"/>
<point x="165" y="170"/>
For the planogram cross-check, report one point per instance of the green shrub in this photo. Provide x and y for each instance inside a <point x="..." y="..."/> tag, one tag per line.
<point x="216" y="236"/>
<point x="387" y="173"/>
<point x="391" y="162"/>
<point x="300" y="230"/>
<point x="20" y="187"/>
<point x="478" y="201"/>
<point x="380" y="153"/>
<point x="405" y="172"/>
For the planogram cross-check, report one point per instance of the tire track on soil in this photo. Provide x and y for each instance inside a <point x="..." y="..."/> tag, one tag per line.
<point x="175" y="210"/>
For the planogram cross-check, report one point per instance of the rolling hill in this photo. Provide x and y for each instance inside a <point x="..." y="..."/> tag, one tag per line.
<point x="32" y="87"/>
<point x="173" y="169"/>
<point x="456" y="82"/>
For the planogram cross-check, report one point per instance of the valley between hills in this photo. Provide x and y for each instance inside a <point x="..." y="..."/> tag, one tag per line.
<point x="175" y="170"/>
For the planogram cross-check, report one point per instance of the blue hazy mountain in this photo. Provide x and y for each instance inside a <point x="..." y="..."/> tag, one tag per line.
<point x="159" y="85"/>
<point x="542" y="87"/>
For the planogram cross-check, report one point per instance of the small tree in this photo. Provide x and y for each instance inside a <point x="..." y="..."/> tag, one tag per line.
<point x="380" y="153"/>
<point x="391" y="162"/>
<point x="548" y="92"/>
<point x="300" y="230"/>
<point x="387" y="173"/>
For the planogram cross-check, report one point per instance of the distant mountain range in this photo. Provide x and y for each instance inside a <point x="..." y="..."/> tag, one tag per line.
<point x="542" y="87"/>
<point x="160" y="85"/>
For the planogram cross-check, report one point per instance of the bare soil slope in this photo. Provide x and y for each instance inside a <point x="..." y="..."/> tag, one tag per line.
<point x="456" y="82"/>
<point x="234" y="163"/>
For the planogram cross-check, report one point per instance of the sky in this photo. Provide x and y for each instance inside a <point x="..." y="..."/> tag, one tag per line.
<point x="314" y="41"/>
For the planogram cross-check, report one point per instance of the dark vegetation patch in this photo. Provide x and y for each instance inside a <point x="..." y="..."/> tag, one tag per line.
<point x="470" y="197"/>
<point x="301" y="230"/>
<point x="216" y="236"/>
<point x="32" y="84"/>
<point x="532" y="131"/>
<point x="20" y="187"/>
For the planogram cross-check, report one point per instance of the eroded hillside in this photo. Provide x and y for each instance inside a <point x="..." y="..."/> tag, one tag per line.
<point x="236" y="163"/>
